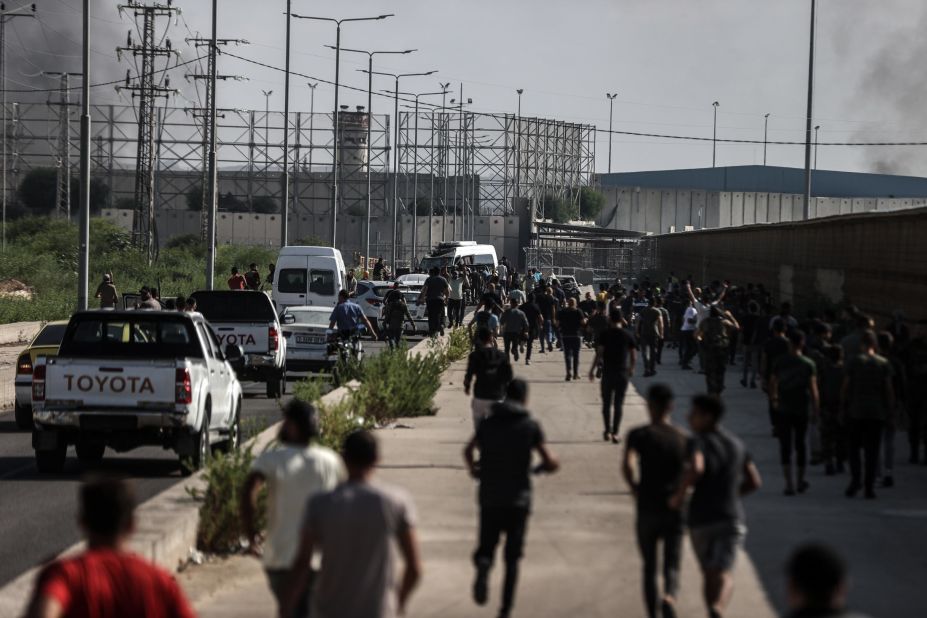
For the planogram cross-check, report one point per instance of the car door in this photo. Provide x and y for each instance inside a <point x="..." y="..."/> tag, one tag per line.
<point x="291" y="283"/>
<point x="219" y="378"/>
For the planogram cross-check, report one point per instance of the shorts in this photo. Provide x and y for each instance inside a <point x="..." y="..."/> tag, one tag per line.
<point x="716" y="545"/>
<point x="481" y="409"/>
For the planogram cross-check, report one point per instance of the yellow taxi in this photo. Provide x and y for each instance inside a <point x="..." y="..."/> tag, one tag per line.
<point x="45" y="343"/>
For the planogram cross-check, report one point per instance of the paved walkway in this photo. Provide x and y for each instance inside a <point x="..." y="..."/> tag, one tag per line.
<point x="581" y="558"/>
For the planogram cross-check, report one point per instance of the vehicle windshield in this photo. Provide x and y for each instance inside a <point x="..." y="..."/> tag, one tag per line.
<point x="436" y="262"/>
<point x="51" y="335"/>
<point x="235" y="306"/>
<point x="311" y="318"/>
<point x="122" y="337"/>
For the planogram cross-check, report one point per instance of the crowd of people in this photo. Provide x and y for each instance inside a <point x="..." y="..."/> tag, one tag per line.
<point x="837" y="391"/>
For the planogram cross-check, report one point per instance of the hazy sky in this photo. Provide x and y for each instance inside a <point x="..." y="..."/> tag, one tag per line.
<point x="667" y="59"/>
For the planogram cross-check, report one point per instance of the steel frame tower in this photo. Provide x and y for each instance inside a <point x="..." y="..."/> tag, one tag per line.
<point x="63" y="150"/>
<point x="147" y="90"/>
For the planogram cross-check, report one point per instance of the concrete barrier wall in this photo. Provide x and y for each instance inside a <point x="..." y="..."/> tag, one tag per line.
<point x="874" y="260"/>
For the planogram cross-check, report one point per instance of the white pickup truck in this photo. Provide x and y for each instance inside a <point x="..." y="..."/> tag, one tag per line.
<point x="125" y="379"/>
<point x="248" y="319"/>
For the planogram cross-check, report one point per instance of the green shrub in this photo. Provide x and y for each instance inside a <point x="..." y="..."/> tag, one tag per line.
<point x="397" y="384"/>
<point x="458" y="344"/>
<point x="220" y="528"/>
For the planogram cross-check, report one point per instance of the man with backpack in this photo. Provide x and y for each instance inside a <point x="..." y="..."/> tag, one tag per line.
<point x="714" y="333"/>
<point x="253" y="278"/>
<point x="483" y="319"/>
<point x="491" y="368"/>
<point x="395" y="314"/>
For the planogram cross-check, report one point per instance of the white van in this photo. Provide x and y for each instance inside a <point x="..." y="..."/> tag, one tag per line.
<point x="308" y="276"/>
<point x="460" y="252"/>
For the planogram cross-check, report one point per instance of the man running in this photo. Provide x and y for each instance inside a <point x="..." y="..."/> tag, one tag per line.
<point x="293" y="472"/>
<point x="505" y="441"/>
<point x="514" y="325"/>
<point x="660" y="451"/>
<point x="793" y="389"/>
<point x="491" y="368"/>
<point x="355" y="527"/>
<point x="616" y="352"/>
<point x="570" y="322"/>
<point x="435" y="292"/>
<point x="395" y="314"/>
<point x="721" y="472"/>
<point x="106" y="579"/>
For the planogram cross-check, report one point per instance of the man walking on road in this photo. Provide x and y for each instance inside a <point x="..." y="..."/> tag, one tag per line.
<point x="793" y="389"/>
<point x="776" y="347"/>
<point x="355" y="527"/>
<point x="721" y="472"/>
<point x="570" y="322"/>
<point x="435" y="293"/>
<point x="505" y="441"/>
<point x="868" y="397"/>
<point x="292" y="473"/>
<point x="714" y="334"/>
<point x="660" y="449"/>
<point x="105" y="579"/>
<point x="650" y="331"/>
<point x="490" y="366"/>
<point x="514" y="327"/>
<point x="616" y="351"/>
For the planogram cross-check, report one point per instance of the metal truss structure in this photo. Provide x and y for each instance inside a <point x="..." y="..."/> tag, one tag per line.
<point x="493" y="159"/>
<point x="250" y="154"/>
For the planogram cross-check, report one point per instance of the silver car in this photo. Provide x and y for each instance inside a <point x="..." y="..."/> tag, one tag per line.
<point x="306" y="332"/>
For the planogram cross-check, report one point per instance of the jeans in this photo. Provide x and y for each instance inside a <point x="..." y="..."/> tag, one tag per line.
<point x="613" y="387"/>
<point x="649" y="352"/>
<point x="687" y="347"/>
<point x="571" y="345"/>
<point x="865" y="440"/>
<point x="751" y="362"/>
<point x="715" y="366"/>
<point x="455" y="312"/>
<point x="511" y="344"/>
<point x="792" y="430"/>
<point x="653" y="527"/>
<point x="278" y="580"/>
<point x="393" y="335"/>
<point x="435" y="308"/>
<point x="494" y="520"/>
<point x="547" y="335"/>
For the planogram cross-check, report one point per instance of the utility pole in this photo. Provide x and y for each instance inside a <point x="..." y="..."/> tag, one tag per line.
<point x="63" y="180"/>
<point x="443" y="155"/>
<point x="518" y="146"/>
<point x="206" y="114"/>
<point x="83" y="252"/>
<point x="611" y="108"/>
<point x="312" y="88"/>
<point x="148" y="91"/>
<point x="806" y="203"/>
<point x="714" y="137"/>
<point x="6" y="16"/>
<point x="765" y="136"/>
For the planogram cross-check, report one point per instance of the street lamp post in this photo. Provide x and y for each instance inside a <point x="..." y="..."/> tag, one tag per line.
<point x="765" y="136"/>
<point x="83" y="257"/>
<point x="266" y="94"/>
<point x="806" y="203"/>
<point x="397" y="77"/>
<point x="335" y="127"/>
<point x="611" y="108"/>
<point x="714" y="137"/>
<point x="370" y="55"/>
<point x="816" y="129"/>
<point x="415" y="180"/>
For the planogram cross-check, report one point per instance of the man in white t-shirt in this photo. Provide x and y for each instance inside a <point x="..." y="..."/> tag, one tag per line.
<point x="292" y="473"/>
<point x="687" y="347"/>
<point x="503" y="271"/>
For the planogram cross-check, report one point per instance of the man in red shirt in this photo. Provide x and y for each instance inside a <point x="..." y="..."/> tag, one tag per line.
<point x="106" y="581"/>
<point x="236" y="281"/>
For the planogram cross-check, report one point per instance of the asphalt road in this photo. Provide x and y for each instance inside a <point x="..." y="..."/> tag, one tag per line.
<point x="38" y="511"/>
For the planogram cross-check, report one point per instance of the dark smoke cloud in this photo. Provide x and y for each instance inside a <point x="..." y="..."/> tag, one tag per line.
<point x="892" y="90"/>
<point x="52" y="42"/>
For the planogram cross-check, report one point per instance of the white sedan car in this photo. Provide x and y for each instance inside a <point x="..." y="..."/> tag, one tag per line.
<point x="305" y="330"/>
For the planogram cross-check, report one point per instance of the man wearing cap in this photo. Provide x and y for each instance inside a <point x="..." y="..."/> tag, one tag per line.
<point x="107" y="293"/>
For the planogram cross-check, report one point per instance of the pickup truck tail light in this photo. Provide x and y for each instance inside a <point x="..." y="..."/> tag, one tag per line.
<point x="38" y="383"/>
<point x="184" y="386"/>
<point x="24" y="365"/>
<point x="273" y="339"/>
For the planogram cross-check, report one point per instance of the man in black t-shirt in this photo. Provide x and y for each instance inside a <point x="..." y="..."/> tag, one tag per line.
<point x="435" y="292"/>
<point x="505" y="441"/>
<point x="490" y="366"/>
<point x="535" y="322"/>
<point x="570" y="322"/>
<point x="775" y="348"/>
<point x="660" y="449"/>
<point x="616" y="350"/>
<point x="721" y="472"/>
<point x="548" y="305"/>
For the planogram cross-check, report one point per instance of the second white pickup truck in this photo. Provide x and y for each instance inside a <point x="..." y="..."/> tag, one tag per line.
<point x="125" y="379"/>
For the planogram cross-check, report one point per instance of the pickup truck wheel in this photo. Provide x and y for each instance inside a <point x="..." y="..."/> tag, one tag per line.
<point x="52" y="461"/>
<point x="23" y="416"/>
<point x="90" y="453"/>
<point x="201" y="448"/>
<point x="233" y="440"/>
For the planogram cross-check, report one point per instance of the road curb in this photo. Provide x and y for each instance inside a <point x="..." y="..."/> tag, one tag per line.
<point x="166" y="526"/>
<point x="18" y="332"/>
